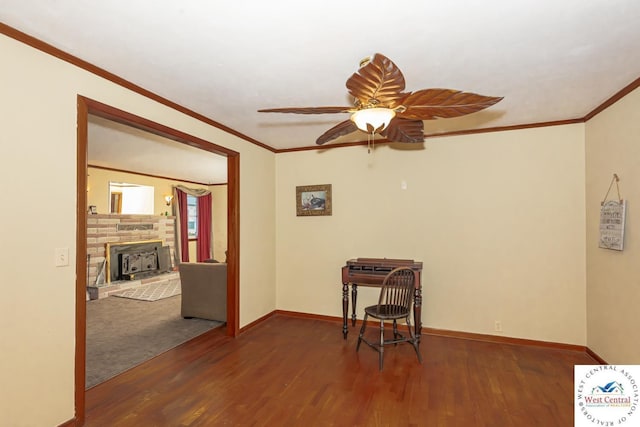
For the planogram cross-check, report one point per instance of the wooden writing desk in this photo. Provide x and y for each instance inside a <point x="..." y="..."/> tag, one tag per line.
<point x="371" y="272"/>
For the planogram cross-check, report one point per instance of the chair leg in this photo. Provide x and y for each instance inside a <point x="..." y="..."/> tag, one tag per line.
<point x="381" y="352"/>
<point x="414" y="340"/>
<point x="364" y="326"/>
<point x="395" y="331"/>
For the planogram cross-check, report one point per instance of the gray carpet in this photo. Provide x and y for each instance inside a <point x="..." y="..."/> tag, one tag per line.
<point x="122" y="333"/>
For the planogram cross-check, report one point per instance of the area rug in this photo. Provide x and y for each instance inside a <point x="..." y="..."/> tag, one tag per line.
<point x="152" y="291"/>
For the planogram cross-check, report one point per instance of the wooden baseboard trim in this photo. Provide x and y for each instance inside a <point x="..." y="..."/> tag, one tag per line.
<point x="308" y="316"/>
<point x="599" y="359"/>
<point x="458" y="334"/>
<point x="332" y="319"/>
<point x="444" y="333"/>
<point x="502" y="340"/>
<point x="71" y="423"/>
<point x="257" y="322"/>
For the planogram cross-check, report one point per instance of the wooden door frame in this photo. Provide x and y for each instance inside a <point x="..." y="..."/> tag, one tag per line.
<point x="88" y="106"/>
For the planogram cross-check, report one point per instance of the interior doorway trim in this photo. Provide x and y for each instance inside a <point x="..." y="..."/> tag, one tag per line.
<point x="88" y="106"/>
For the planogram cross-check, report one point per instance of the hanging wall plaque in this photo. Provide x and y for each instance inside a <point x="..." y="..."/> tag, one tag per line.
<point x="612" y="214"/>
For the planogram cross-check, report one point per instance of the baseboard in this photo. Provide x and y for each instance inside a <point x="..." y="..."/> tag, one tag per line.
<point x="256" y="322"/>
<point x="599" y="359"/>
<point x="289" y="314"/>
<point x="71" y="423"/>
<point x="502" y="339"/>
<point x="515" y="341"/>
<point x="446" y="333"/>
<point x="308" y="316"/>
<point x="332" y="319"/>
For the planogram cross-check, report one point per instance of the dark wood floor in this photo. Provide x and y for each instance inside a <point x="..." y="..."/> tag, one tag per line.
<point x="289" y="371"/>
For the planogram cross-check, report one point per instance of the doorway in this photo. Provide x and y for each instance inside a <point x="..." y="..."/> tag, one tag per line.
<point x="88" y="106"/>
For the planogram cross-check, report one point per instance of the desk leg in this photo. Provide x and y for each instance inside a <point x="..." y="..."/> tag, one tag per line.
<point x="354" y="298"/>
<point x="417" y="312"/>
<point x="345" y="308"/>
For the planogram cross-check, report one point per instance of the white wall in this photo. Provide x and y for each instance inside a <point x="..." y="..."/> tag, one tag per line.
<point x="497" y="219"/>
<point x="38" y="149"/>
<point x="613" y="285"/>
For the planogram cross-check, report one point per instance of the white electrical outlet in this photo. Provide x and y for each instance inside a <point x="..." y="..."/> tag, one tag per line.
<point x="497" y="326"/>
<point x="61" y="257"/>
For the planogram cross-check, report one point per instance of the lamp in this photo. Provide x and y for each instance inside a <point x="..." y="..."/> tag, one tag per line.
<point x="168" y="199"/>
<point x="372" y="120"/>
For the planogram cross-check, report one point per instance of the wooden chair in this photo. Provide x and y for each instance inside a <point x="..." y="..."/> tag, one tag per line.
<point x="395" y="303"/>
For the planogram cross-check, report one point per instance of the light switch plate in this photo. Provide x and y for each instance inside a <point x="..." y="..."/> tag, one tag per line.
<point x="61" y="257"/>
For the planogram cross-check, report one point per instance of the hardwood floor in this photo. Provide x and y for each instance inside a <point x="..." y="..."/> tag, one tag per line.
<point x="289" y="371"/>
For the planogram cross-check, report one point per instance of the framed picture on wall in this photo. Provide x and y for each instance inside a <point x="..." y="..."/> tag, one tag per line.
<point x="313" y="200"/>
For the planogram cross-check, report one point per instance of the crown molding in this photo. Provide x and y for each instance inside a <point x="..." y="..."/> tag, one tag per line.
<point x="60" y="54"/>
<point x="100" y="72"/>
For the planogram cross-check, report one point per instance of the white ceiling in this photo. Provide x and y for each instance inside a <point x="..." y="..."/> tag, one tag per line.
<point x="116" y="146"/>
<point x="551" y="60"/>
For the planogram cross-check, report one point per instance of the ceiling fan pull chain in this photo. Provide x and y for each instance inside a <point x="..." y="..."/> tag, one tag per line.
<point x="371" y="142"/>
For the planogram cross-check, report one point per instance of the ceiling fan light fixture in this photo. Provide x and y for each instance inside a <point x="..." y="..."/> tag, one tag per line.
<point x="372" y="119"/>
<point x="381" y="105"/>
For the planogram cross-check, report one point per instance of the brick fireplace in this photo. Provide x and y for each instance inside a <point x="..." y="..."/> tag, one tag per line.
<point x="151" y="238"/>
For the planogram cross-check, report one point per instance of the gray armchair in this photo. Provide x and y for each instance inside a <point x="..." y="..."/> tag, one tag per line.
<point x="204" y="290"/>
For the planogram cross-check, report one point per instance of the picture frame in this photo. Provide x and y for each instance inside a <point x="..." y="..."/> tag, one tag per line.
<point x="313" y="200"/>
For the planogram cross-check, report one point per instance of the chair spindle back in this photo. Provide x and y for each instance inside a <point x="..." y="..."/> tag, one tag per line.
<point x="398" y="290"/>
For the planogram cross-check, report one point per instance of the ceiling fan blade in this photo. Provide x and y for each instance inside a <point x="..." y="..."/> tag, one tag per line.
<point x="340" y="129"/>
<point x="403" y="130"/>
<point x="378" y="83"/>
<point x="429" y="104"/>
<point x="307" y="110"/>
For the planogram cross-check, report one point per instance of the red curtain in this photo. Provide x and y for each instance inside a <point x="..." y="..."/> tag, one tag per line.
<point x="204" y="228"/>
<point x="184" y="232"/>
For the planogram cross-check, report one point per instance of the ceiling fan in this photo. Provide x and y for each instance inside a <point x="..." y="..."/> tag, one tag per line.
<point x="381" y="106"/>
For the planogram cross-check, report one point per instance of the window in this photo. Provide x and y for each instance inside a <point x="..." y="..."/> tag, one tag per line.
<point x="192" y="216"/>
